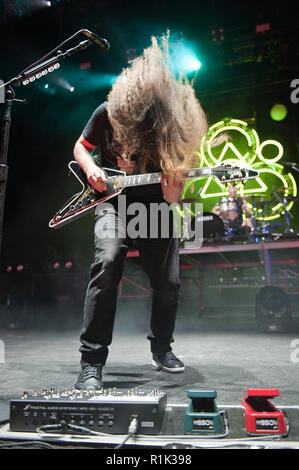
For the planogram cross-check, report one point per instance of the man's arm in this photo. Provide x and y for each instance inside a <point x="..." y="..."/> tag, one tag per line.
<point x="95" y="176"/>
<point x="216" y="210"/>
<point x="245" y="208"/>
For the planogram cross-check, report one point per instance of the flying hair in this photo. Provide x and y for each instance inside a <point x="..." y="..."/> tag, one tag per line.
<point x="155" y="115"/>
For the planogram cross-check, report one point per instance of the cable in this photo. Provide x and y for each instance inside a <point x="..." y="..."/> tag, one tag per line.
<point x="27" y="443"/>
<point x="132" y="431"/>
<point x="63" y="426"/>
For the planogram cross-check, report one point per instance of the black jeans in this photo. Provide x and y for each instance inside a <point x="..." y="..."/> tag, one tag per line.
<point x="160" y="260"/>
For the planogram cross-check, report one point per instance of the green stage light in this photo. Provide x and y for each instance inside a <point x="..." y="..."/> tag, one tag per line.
<point x="278" y="112"/>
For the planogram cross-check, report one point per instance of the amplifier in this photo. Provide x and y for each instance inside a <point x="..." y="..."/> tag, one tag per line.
<point x="109" y="411"/>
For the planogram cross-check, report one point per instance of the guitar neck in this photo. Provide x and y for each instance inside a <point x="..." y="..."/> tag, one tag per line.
<point x="152" y="178"/>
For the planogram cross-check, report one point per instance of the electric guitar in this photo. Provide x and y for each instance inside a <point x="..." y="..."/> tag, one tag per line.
<point x="83" y="202"/>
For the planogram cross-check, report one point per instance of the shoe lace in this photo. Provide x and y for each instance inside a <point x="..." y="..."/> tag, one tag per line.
<point x="170" y="355"/>
<point x="92" y="371"/>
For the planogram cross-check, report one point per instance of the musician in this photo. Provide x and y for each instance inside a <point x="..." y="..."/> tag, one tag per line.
<point x="150" y="122"/>
<point x="232" y="213"/>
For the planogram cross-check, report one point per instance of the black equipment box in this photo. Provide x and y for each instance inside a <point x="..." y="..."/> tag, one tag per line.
<point x="107" y="412"/>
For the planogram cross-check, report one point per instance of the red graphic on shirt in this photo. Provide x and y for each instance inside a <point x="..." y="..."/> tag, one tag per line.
<point x="126" y="165"/>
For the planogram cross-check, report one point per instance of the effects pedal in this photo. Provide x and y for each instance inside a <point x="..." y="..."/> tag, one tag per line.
<point x="202" y="414"/>
<point x="260" y="415"/>
<point x="109" y="411"/>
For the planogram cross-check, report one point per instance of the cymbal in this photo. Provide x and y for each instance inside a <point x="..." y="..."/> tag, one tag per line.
<point x="263" y="203"/>
<point x="256" y="195"/>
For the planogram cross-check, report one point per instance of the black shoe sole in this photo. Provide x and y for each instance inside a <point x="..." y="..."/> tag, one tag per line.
<point x="171" y="370"/>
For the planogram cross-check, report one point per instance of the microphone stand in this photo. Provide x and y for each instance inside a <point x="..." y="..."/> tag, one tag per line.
<point x="29" y="75"/>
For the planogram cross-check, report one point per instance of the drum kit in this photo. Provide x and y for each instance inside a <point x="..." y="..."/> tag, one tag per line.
<point x="228" y="222"/>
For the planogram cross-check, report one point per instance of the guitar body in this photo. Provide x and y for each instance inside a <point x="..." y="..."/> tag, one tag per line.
<point x="82" y="203"/>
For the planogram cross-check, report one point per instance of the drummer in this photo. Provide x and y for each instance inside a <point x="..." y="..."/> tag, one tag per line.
<point x="232" y="209"/>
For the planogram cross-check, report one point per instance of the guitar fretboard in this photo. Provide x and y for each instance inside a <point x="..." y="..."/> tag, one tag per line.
<point x="152" y="178"/>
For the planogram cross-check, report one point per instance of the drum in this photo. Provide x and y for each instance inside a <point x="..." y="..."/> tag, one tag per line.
<point x="213" y="226"/>
<point x="228" y="208"/>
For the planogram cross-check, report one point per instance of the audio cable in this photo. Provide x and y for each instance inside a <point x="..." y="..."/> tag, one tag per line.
<point x="131" y="432"/>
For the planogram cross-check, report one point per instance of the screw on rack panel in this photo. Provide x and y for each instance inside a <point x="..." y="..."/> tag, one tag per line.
<point x="203" y="416"/>
<point x="260" y="415"/>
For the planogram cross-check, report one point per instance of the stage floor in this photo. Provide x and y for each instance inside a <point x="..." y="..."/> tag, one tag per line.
<point x="227" y="358"/>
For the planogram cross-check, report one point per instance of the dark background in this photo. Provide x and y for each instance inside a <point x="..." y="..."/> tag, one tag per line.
<point x="242" y="76"/>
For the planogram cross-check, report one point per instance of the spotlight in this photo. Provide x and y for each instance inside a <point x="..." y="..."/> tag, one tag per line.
<point x="47" y="88"/>
<point x="68" y="265"/>
<point x="273" y="309"/>
<point x="278" y="112"/>
<point x="194" y="64"/>
<point x="20" y="268"/>
<point x="217" y="35"/>
<point x="85" y="65"/>
<point x="9" y="269"/>
<point x="61" y="82"/>
<point x="188" y="62"/>
<point x="56" y="265"/>
<point x="185" y="59"/>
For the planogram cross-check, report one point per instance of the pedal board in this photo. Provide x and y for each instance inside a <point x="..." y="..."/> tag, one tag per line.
<point x="109" y="411"/>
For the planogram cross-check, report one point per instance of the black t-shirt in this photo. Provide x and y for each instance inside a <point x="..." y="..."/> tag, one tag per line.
<point x="99" y="132"/>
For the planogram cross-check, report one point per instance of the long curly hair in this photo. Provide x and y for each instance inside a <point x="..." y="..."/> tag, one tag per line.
<point x="155" y="115"/>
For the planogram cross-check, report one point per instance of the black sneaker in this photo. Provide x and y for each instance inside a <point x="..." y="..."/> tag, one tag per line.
<point x="90" y="377"/>
<point x="168" y="362"/>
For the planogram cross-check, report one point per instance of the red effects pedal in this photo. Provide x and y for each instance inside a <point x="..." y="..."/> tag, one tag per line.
<point x="260" y="415"/>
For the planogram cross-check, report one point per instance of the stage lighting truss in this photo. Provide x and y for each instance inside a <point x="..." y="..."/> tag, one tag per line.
<point x="244" y="149"/>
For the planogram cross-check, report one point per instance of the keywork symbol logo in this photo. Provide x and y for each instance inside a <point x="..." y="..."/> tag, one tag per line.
<point x="2" y="91"/>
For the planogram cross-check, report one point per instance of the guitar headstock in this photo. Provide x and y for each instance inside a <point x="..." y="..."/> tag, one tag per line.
<point x="227" y="173"/>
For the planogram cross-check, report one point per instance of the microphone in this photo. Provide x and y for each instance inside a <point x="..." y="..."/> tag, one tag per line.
<point x="103" y="43"/>
<point x="289" y="164"/>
